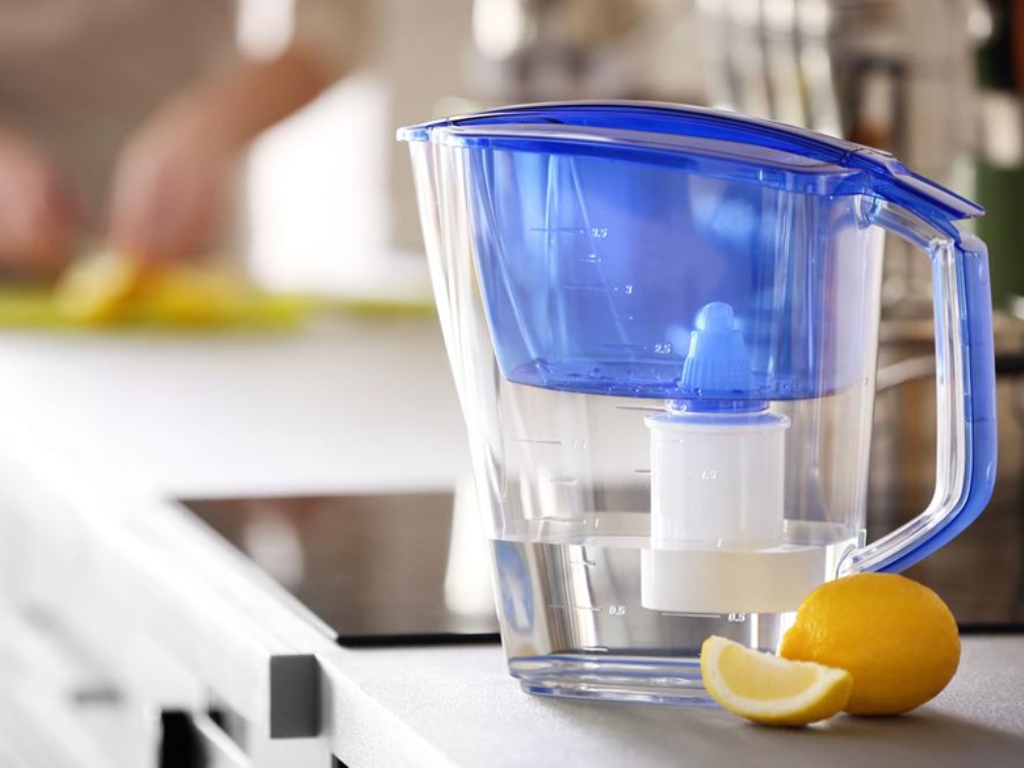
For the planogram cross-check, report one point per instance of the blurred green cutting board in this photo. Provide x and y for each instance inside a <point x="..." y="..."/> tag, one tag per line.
<point x="34" y="307"/>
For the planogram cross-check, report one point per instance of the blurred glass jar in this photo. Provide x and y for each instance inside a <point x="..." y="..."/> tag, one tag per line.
<point x="1000" y="166"/>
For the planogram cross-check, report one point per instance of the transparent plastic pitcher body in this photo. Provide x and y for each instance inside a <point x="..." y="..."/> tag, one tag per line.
<point x="663" y="324"/>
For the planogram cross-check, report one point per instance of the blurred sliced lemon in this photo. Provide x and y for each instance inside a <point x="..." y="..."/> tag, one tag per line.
<point x="112" y="287"/>
<point x="191" y="295"/>
<point x="770" y="690"/>
<point x="97" y="288"/>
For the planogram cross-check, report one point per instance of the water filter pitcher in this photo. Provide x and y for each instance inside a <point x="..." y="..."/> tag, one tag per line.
<point x="663" y="325"/>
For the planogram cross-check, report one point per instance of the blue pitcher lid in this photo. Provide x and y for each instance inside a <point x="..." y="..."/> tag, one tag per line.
<point x="674" y="134"/>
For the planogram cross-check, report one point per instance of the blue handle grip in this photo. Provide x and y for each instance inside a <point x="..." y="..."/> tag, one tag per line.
<point x="979" y="377"/>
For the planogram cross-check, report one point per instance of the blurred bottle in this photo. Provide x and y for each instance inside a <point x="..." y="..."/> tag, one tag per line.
<point x="1001" y="152"/>
<point x="543" y="50"/>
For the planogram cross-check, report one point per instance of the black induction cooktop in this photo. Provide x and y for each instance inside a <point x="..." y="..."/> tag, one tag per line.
<point x="380" y="569"/>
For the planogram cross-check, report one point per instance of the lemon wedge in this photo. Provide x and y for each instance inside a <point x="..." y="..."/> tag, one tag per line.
<point x="770" y="690"/>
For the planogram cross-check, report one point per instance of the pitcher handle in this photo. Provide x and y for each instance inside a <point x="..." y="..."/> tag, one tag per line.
<point x="965" y="394"/>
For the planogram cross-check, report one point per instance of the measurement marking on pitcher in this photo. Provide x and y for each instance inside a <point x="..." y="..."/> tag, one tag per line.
<point x="576" y="608"/>
<point x="596" y="648"/>
<point x="564" y="480"/>
<point x="692" y="615"/>
<point x="644" y="408"/>
<point x="538" y="442"/>
<point x="641" y="471"/>
<point x="595" y="288"/>
<point x="626" y="347"/>
<point x="598" y="233"/>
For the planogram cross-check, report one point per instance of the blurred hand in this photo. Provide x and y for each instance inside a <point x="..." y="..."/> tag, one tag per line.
<point x="167" y="196"/>
<point x="39" y="211"/>
<point x="168" y="187"/>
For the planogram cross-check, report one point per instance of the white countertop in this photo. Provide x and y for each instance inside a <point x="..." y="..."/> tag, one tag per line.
<point x="462" y="702"/>
<point x="351" y="404"/>
<point x="112" y="424"/>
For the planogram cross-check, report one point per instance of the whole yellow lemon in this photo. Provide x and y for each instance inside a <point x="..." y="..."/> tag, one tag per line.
<point x="895" y="636"/>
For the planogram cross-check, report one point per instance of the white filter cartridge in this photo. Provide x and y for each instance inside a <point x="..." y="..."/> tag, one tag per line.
<point x="718" y="468"/>
<point x="717" y="514"/>
<point x="717" y="480"/>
